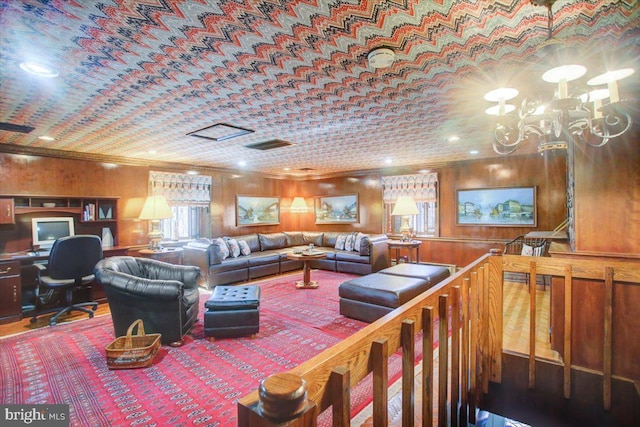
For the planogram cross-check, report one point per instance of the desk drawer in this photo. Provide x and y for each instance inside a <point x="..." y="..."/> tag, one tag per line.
<point x="10" y="292"/>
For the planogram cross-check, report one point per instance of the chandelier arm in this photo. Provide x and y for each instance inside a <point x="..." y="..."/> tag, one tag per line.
<point x="612" y="120"/>
<point x="504" y="152"/>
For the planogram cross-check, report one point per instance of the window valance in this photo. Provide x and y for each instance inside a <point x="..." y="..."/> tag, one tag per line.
<point x="422" y="187"/>
<point x="180" y="188"/>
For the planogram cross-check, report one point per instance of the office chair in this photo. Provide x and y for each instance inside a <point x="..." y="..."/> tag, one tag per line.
<point x="71" y="263"/>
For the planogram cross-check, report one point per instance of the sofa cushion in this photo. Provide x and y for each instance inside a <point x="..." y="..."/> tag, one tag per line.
<point x="329" y="238"/>
<point x="251" y="239"/>
<point x="222" y="248"/>
<point x="351" y="256"/>
<point x="294" y="238"/>
<point x="312" y="237"/>
<point x="234" y="248"/>
<point x="365" y="245"/>
<point x="349" y="242"/>
<point x="431" y="273"/>
<point x="340" y="241"/>
<point x="229" y="264"/>
<point x="272" y="241"/>
<point x="264" y="257"/>
<point x="244" y="248"/>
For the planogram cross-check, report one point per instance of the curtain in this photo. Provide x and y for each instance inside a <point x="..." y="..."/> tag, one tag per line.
<point x="422" y="187"/>
<point x="181" y="189"/>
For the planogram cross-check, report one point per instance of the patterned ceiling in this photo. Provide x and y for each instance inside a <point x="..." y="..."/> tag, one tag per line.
<point x="139" y="75"/>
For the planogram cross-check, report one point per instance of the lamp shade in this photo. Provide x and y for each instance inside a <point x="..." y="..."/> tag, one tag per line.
<point x="155" y="207"/>
<point x="298" y="205"/>
<point x="405" y="205"/>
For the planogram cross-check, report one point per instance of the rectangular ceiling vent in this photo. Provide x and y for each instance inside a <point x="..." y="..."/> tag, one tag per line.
<point x="15" y="128"/>
<point x="220" y="132"/>
<point x="269" y="145"/>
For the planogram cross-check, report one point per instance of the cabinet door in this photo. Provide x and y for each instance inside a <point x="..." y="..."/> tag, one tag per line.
<point x="10" y="292"/>
<point x="7" y="215"/>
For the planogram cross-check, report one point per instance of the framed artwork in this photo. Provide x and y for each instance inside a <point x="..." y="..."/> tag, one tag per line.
<point x="336" y="209"/>
<point x="497" y="207"/>
<point x="253" y="210"/>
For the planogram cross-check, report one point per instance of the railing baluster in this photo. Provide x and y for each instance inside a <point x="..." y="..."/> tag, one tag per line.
<point x="380" y="382"/>
<point x="486" y="349"/>
<point x="532" y="324"/>
<point x="464" y="383"/>
<point x="427" y="367"/>
<point x="455" y="354"/>
<point x="341" y="396"/>
<point x="568" y="285"/>
<point x="443" y="359"/>
<point x="473" y="352"/>
<point x="608" y="324"/>
<point x="408" y="337"/>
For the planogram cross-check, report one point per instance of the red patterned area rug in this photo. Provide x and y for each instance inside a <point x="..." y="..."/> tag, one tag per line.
<point x="196" y="384"/>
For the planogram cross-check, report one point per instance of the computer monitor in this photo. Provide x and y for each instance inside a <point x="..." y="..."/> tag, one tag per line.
<point x="45" y="231"/>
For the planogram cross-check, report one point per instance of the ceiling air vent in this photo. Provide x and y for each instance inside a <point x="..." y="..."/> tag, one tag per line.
<point x="269" y="145"/>
<point x="15" y="128"/>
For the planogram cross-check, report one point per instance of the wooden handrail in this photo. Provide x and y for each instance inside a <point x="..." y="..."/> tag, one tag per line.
<point x="474" y="297"/>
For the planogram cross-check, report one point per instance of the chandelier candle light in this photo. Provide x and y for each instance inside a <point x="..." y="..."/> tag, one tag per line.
<point x="155" y="208"/>
<point x="405" y="207"/>
<point x="584" y="116"/>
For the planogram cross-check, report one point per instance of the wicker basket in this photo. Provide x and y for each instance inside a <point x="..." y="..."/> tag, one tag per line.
<point x="133" y="351"/>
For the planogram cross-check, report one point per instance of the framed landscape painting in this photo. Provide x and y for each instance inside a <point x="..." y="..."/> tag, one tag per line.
<point x="336" y="209"/>
<point x="498" y="207"/>
<point x="253" y="210"/>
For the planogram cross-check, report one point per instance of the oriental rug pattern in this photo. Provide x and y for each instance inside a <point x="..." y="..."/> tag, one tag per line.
<point x="196" y="384"/>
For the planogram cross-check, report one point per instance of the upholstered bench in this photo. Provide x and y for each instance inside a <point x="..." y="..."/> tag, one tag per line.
<point x="431" y="273"/>
<point x="232" y="311"/>
<point x="370" y="297"/>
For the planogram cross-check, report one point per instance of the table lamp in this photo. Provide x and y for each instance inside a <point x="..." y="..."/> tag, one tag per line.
<point x="155" y="208"/>
<point x="405" y="207"/>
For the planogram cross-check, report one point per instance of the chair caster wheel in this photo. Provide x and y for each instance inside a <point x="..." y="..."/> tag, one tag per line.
<point x="94" y="308"/>
<point x="90" y="315"/>
<point x="52" y="323"/>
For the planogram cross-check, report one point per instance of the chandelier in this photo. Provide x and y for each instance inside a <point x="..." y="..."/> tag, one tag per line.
<point x="585" y="115"/>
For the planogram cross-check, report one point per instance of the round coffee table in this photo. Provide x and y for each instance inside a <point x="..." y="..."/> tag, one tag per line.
<point x="305" y="257"/>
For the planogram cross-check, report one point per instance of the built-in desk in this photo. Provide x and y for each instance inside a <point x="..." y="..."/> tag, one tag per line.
<point x="21" y="300"/>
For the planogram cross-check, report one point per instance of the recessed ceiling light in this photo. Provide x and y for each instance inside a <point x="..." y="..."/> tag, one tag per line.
<point x="46" y="138"/>
<point x="192" y="172"/>
<point x="388" y="161"/>
<point x="473" y="152"/>
<point x="454" y="138"/>
<point x="152" y="151"/>
<point x="381" y="57"/>
<point x="39" y="70"/>
<point x="287" y="169"/>
<point x="242" y="163"/>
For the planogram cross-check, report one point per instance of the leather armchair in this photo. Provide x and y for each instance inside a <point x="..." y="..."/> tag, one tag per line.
<point x="165" y="296"/>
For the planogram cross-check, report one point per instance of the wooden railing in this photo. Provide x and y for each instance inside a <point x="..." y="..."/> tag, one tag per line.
<point x="469" y="350"/>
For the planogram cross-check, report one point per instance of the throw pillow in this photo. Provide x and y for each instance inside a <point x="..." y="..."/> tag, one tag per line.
<point x="340" y="241"/>
<point x="234" y="248"/>
<point x="526" y="250"/>
<point x="365" y="245"/>
<point x="357" y="242"/>
<point x="348" y="244"/>
<point x="222" y="246"/>
<point x="244" y="247"/>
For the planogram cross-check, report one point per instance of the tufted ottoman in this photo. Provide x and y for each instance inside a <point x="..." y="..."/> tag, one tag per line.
<point x="232" y="311"/>
<point x="370" y="297"/>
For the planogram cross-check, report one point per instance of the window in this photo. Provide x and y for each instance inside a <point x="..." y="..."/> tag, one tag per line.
<point x="424" y="224"/>
<point x="189" y="197"/>
<point x="188" y="222"/>
<point x="424" y="190"/>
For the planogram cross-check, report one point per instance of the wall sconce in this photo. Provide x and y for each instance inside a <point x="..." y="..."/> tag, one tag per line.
<point x="405" y="207"/>
<point x="298" y="205"/>
<point x="155" y="208"/>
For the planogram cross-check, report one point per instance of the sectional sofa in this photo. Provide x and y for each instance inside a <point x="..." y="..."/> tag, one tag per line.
<point x="266" y="254"/>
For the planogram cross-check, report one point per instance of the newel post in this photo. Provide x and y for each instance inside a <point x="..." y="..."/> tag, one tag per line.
<point x="283" y="402"/>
